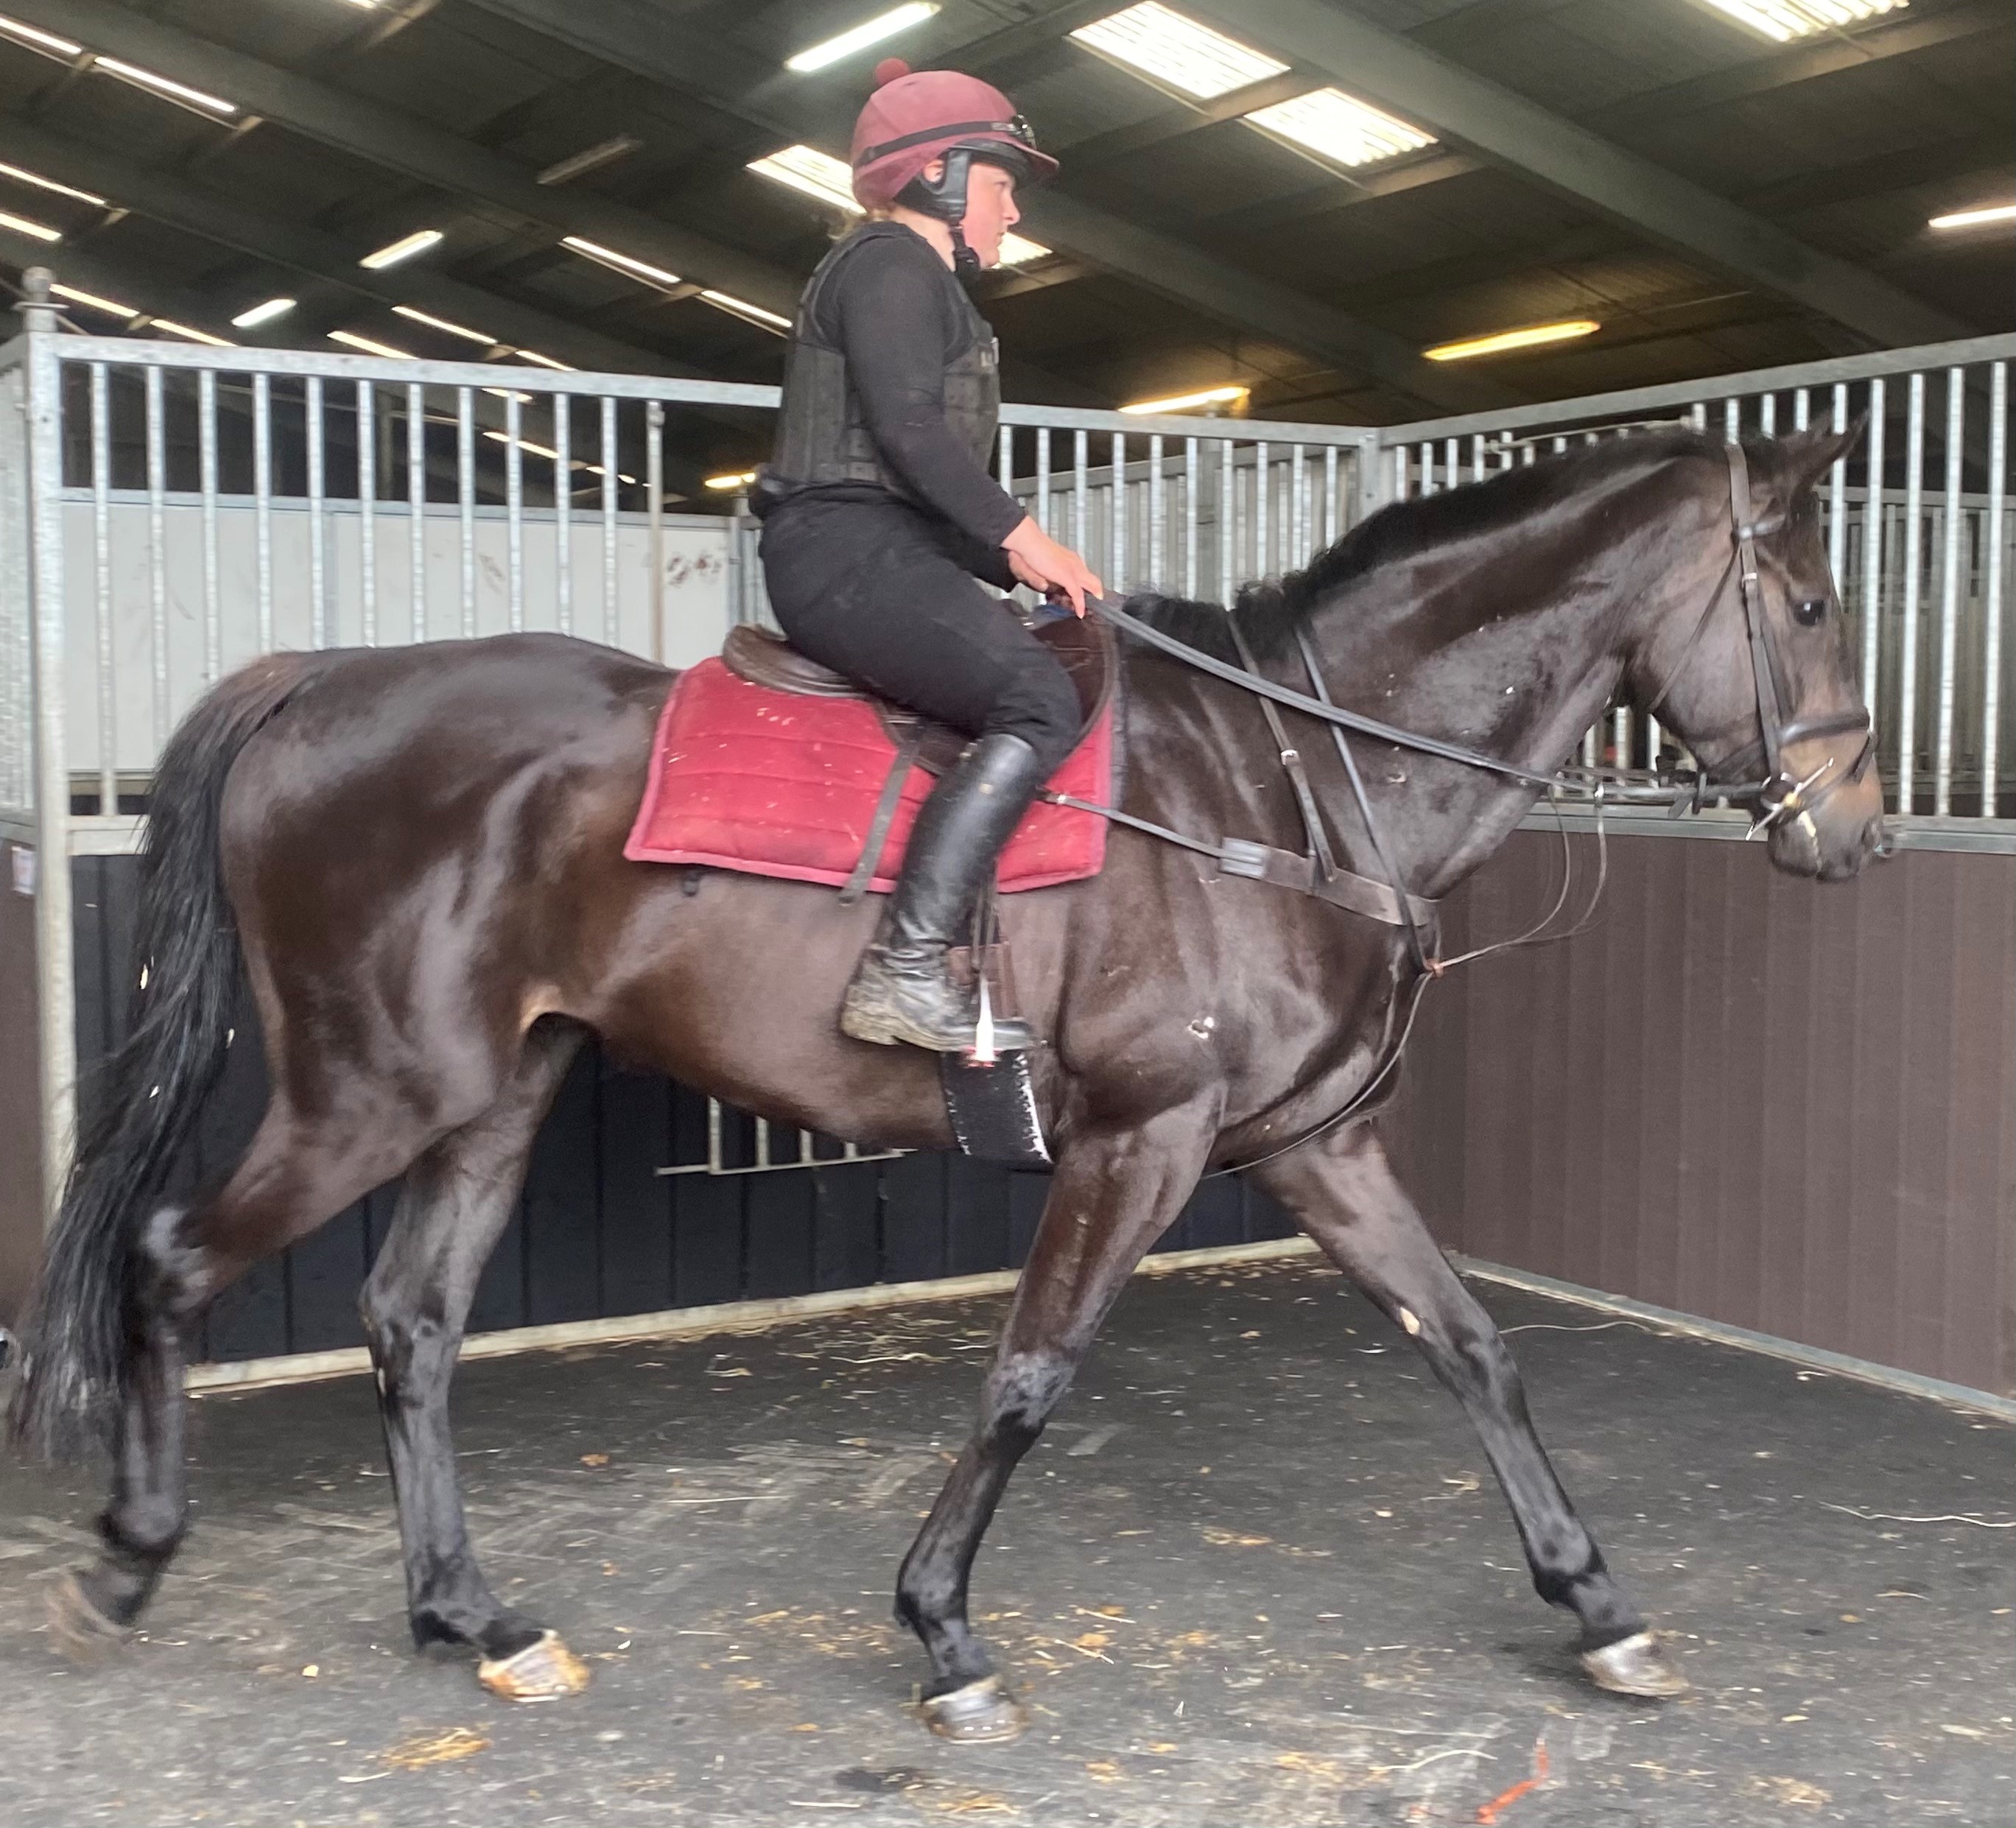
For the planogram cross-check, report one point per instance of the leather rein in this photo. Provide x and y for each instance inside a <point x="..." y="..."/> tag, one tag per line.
<point x="1776" y="795"/>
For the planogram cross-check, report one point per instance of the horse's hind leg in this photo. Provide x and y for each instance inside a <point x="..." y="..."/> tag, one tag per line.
<point x="456" y="1198"/>
<point x="298" y="1173"/>
<point x="1111" y="1197"/>
<point x="1344" y="1194"/>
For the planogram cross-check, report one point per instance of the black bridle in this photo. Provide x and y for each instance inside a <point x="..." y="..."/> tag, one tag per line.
<point x="1775" y="795"/>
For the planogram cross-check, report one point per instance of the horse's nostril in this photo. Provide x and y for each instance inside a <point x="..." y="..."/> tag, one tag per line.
<point x="1876" y="838"/>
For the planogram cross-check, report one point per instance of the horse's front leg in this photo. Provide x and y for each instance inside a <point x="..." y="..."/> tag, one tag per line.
<point x="1113" y="1195"/>
<point x="1344" y="1194"/>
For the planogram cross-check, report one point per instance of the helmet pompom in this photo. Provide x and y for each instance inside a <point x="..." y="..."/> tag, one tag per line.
<point x="889" y="69"/>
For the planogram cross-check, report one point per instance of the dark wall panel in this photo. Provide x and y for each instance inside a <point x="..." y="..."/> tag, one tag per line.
<point x="1783" y="1105"/>
<point x="20" y="1093"/>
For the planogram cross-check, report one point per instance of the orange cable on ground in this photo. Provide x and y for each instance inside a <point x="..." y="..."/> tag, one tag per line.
<point x="1491" y="1811"/>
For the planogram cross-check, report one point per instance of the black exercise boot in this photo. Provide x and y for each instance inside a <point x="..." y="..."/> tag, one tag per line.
<point x="901" y="990"/>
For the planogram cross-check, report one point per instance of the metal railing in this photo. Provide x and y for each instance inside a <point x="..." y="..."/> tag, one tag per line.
<point x="1923" y="576"/>
<point x="168" y="512"/>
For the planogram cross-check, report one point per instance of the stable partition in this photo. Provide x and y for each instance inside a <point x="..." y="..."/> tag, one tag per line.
<point x="165" y="513"/>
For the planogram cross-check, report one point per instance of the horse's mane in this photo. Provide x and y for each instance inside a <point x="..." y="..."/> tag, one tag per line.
<point x="1271" y="610"/>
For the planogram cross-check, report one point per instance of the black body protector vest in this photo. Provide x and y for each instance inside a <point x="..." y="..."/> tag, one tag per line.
<point x="822" y="437"/>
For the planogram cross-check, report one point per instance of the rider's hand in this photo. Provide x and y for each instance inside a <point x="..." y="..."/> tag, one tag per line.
<point x="1055" y="570"/>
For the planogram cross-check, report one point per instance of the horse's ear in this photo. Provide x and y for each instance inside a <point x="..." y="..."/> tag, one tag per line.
<point x="1810" y="454"/>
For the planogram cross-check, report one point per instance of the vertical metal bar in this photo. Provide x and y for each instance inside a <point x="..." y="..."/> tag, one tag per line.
<point x="1476" y="458"/>
<point x="514" y="510"/>
<point x="1298" y="508"/>
<point x="1227" y="486"/>
<point x="1697" y="415"/>
<point x="1801" y="406"/>
<point x="715" y="1160"/>
<point x="367" y="509"/>
<point x="1998" y="491"/>
<point x="56" y="1001"/>
<point x="1452" y="462"/>
<point x="1767" y="415"/>
<point x="610" y="623"/>
<point x="1043" y="478"/>
<point x="315" y="430"/>
<point x="465" y="497"/>
<point x="1080" y="451"/>
<point x="1262" y="531"/>
<point x="562" y="405"/>
<point x="1427" y="468"/>
<point x="157" y="552"/>
<point x="1907" y="664"/>
<point x="101" y="567"/>
<point x="762" y="1143"/>
<point x="1329" y="496"/>
<point x="1732" y="419"/>
<point x="262" y="505"/>
<point x="1117" y="576"/>
<point x="1158" y="514"/>
<point x="1872" y="550"/>
<point x="1399" y="472"/>
<point x="213" y="598"/>
<point x="1837" y="495"/>
<point x="1192" y="462"/>
<point x="1949" y="563"/>
<point x="416" y="510"/>
<point x="655" y="510"/>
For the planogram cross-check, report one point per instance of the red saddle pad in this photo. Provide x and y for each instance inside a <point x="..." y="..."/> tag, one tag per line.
<point x="777" y="784"/>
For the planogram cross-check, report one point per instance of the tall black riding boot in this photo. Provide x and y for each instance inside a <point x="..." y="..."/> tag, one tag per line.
<point x="901" y="990"/>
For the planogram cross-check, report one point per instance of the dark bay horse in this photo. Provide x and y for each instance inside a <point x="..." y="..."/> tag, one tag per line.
<point x="417" y="853"/>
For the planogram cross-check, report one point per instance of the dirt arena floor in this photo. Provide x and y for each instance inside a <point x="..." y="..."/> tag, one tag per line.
<point x="1256" y="1574"/>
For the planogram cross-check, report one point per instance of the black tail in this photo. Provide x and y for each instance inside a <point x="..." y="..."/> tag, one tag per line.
<point x="148" y="1093"/>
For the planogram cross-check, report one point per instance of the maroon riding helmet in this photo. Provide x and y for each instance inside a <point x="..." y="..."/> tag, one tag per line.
<point x="915" y="117"/>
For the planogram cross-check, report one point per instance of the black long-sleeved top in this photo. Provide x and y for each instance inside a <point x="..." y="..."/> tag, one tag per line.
<point x="887" y="310"/>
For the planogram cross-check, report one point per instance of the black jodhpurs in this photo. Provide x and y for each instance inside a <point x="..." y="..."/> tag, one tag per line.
<point x="879" y="591"/>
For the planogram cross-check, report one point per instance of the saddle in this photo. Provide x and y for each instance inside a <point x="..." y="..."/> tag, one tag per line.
<point x="1085" y="648"/>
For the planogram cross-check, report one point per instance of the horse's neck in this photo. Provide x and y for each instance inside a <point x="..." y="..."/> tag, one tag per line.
<point x="1532" y="656"/>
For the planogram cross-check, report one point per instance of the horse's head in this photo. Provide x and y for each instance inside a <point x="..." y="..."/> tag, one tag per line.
<point x="1764" y="690"/>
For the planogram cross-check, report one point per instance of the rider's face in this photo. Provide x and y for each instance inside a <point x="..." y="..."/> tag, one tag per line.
<point x="990" y="211"/>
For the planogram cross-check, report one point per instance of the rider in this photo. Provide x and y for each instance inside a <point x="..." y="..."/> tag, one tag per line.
<point x="878" y="514"/>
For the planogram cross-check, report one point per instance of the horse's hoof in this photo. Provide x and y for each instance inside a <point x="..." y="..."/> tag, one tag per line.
<point x="1635" y="1666"/>
<point x="76" y="1627"/>
<point x="543" y="1671"/>
<point x="979" y="1714"/>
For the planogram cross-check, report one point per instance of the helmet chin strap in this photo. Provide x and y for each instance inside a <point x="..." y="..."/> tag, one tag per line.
<point x="946" y="200"/>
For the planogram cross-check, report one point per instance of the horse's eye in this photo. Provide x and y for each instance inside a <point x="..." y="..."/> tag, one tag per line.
<point x="1808" y="614"/>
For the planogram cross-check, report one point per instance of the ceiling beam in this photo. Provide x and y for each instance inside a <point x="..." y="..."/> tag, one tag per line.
<point x="635" y="35"/>
<point x="1473" y="112"/>
<point x="173" y="200"/>
<point x="385" y="136"/>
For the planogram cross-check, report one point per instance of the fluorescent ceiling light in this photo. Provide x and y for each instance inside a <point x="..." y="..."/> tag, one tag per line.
<point x="533" y="355"/>
<point x="418" y="242"/>
<point x="1786" y="20"/>
<point x="42" y="41"/>
<point x="351" y="340"/>
<point x="442" y="324"/>
<point x="741" y="307"/>
<point x="873" y="31"/>
<point x="1339" y="127"/>
<point x="592" y="159"/>
<point x="262" y="314"/>
<point x="1183" y="402"/>
<point x="42" y="183"/>
<point x="622" y="263"/>
<point x="1972" y="218"/>
<point x="816" y="173"/>
<point x="1500" y="341"/>
<point x="742" y="478"/>
<point x="547" y="450"/>
<point x="91" y="298"/>
<point x="183" y="331"/>
<point x="1190" y="58"/>
<point x="175" y="91"/>
<point x="22" y="225"/>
